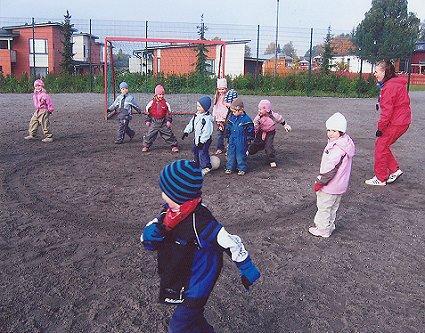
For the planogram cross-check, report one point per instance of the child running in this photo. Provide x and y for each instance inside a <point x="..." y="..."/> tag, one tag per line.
<point x="265" y="130"/>
<point x="202" y="125"/>
<point x="159" y="120"/>
<point x="240" y="132"/>
<point x="43" y="109"/>
<point x="190" y="243"/>
<point x="335" y="170"/>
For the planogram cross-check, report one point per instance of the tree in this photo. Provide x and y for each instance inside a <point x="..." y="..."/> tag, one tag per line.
<point x="121" y="60"/>
<point x="316" y="50"/>
<point x="327" y="53"/>
<point x="343" y="45"/>
<point x="422" y="32"/>
<point x="247" y="51"/>
<point x="67" y="64"/>
<point x="271" y="48"/>
<point x="201" y="50"/>
<point x="388" y="31"/>
<point x="289" y="50"/>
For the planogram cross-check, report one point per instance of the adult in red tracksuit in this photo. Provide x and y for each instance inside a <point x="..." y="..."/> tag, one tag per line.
<point x="394" y="120"/>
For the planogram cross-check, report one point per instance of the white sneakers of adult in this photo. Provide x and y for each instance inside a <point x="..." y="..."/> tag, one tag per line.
<point x="47" y="140"/>
<point x="392" y="178"/>
<point x="273" y="165"/>
<point x="205" y="171"/>
<point x="325" y="233"/>
<point x="374" y="181"/>
<point x="30" y="137"/>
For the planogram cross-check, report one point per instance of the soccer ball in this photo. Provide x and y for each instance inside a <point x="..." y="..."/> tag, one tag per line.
<point x="215" y="162"/>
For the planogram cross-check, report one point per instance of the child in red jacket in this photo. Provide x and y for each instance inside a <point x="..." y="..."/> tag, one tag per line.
<point x="159" y="121"/>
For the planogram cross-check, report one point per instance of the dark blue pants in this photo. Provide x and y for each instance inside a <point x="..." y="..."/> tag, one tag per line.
<point x="202" y="155"/>
<point x="124" y="128"/>
<point x="220" y="140"/>
<point x="236" y="155"/>
<point x="189" y="320"/>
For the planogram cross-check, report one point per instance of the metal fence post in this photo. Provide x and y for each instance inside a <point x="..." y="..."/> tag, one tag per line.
<point x="90" y="63"/>
<point x="310" y="64"/>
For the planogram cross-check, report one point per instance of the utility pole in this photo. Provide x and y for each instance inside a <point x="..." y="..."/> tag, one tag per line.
<point x="277" y="34"/>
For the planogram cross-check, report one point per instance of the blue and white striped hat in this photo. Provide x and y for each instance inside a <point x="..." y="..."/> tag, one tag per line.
<point x="181" y="181"/>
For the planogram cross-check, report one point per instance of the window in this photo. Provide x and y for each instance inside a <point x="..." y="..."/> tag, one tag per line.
<point x="39" y="71"/>
<point x="4" y="45"/>
<point x="210" y="66"/>
<point x="40" y="46"/>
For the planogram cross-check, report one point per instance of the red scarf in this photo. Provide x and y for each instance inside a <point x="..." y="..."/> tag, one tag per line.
<point x="173" y="218"/>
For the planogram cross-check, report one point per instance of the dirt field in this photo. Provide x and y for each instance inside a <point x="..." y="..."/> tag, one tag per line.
<point x="72" y="211"/>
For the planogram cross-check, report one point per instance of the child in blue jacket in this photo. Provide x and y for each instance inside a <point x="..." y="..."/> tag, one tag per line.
<point x="190" y="243"/>
<point x="202" y="125"/>
<point x="240" y="132"/>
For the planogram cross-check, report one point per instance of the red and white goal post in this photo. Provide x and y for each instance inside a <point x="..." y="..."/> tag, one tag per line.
<point x="153" y="57"/>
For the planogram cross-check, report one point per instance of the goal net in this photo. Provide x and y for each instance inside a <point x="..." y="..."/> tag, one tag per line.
<point x="145" y="62"/>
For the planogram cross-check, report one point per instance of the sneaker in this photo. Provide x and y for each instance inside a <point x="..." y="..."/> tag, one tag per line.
<point x="325" y="233"/>
<point x="145" y="149"/>
<point x="218" y="152"/>
<point x="241" y="173"/>
<point x="392" y="178"/>
<point x="205" y="171"/>
<point x="273" y="165"/>
<point x="30" y="137"/>
<point x="118" y="142"/>
<point x="175" y="150"/>
<point x="228" y="171"/>
<point x="47" y="140"/>
<point x="375" y="182"/>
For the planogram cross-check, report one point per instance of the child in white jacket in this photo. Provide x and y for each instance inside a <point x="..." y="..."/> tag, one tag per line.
<point x="202" y="125"/>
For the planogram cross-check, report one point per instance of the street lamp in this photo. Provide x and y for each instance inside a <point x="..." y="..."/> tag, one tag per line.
<point x="277" y="33"/>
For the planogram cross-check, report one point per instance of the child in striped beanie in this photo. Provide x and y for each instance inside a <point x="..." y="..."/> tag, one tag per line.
<point x="190" y="244"/>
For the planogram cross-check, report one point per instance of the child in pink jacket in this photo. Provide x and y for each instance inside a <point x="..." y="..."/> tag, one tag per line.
<point x="265" y="130"/>
<point x="43" y="108"/>
<point x="335" y="170"/>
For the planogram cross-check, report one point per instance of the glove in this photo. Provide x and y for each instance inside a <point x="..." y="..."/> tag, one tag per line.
<point x="168" y="124"/>
<point x="317" y="186"/>
<point x="151" y="235"/>
<point x="249" y="272"/>
<point x="185" y="135"/>
<point x="287" y="128"/>
<point x="148" y="123"/>
<point x="200" y="145"/>
<point x="378" y="133"/>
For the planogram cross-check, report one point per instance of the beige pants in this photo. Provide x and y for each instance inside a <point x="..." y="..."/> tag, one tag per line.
<point x="327" y="205"/>
<point x="40" y="118"/>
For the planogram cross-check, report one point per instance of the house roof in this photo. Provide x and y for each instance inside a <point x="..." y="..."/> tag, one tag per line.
<point x="29" y="25"/>
<point x="7" y="33"/>
<point x="85" y="34"/>
<point x="254" y="59"/>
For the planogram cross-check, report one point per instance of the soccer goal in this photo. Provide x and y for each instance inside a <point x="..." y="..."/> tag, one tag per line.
<point x="145" y="62"/>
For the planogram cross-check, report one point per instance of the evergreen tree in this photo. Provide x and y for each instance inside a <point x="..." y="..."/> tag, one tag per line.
<point x="289" y="50"/>
<point x="67" y="55"/>
<point x="201" y="50"/>
<point x="422" y="32"/>
<point x="327" y="53"/>
<point x="388" y="31"/>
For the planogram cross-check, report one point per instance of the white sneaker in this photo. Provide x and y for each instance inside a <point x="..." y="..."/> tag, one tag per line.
<point x="205" y="171"/>
<point x="375" y="182"/>
<point x="273" y="165"/>
<point x="392" y="178"/>
<point x="30" y="137"/>
<point x="47" y="140"/>
<point x="325" y="233"/>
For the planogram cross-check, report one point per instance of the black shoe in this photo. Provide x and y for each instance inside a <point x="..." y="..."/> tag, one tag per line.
<point x="118" y="142"/>
<point x="132" y="135"/>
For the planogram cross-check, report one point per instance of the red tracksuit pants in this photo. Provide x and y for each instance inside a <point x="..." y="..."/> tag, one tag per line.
<point x="385" y="162"/>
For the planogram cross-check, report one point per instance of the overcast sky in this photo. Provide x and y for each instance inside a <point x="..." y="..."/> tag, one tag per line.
<point x="340" y="14"/>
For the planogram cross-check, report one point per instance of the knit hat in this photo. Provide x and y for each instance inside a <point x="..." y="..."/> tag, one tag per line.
<point x="123" y="85"/>
<point x="221" y="83"/>
<point x="159" y="90"/>
<point x="205" y="102"/>
<point x="237" y="104"/>
<point x="230" y="96"/>
<point x="181" y="181"/>
<point x="39" y="82"/>
<point x="337" y="122"/>
<point x="265" y="104"/>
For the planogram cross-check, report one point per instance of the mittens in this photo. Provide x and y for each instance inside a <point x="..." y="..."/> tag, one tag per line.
<point x="168" y="124"/>
<point x="185" y="135"/>
<point x="148" y="123"/>
<point x="249" y="272"/>
<point x="317" y="186"/>
<point x="150" y="236"/>
<point x="200" y="145"/>
<point x="378" y="133"/>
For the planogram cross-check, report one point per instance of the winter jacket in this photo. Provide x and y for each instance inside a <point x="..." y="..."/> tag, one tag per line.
<point x="42" y="101"/>
<point x="158" y="109"/>
<point x="394" y="103"/>
<point x="124" y="104"/>
<point x="220" y="111"/>
<point x="202" y="125"/>
<point x="267" y="122"/>
<point x="190" y="257"/>
<point x="335" y="167"/>
<point x="240" y="129"/>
